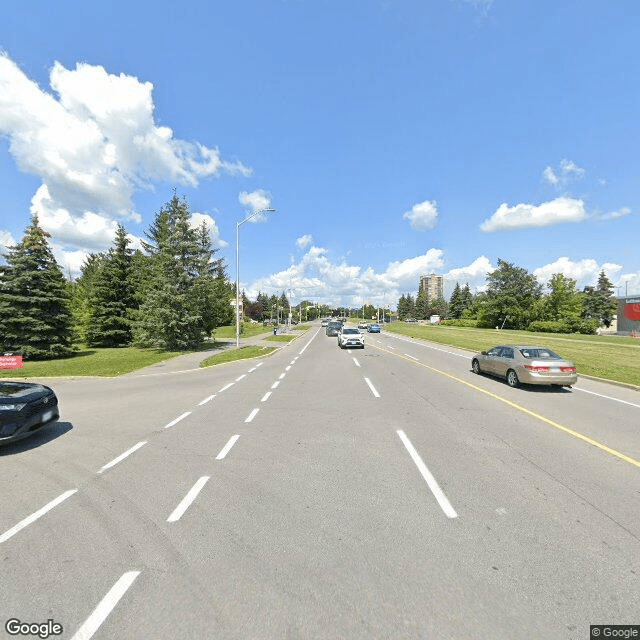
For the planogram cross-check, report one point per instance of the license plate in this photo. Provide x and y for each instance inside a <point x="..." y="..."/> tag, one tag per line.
<point x="555" y="370"/>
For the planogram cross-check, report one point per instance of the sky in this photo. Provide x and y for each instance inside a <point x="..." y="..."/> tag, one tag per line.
<point x="393" y="138"/>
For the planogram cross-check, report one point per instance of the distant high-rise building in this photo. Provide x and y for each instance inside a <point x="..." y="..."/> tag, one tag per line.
<point x="432" y="285"/>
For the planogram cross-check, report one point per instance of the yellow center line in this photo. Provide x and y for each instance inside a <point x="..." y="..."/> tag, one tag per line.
<point x="533" y="414"/>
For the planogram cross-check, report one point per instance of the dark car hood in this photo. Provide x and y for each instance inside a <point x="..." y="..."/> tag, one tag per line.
<point x="10" y="392"/>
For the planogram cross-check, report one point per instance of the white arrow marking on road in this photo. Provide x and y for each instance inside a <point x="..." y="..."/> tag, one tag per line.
<point x="188" y="499"/>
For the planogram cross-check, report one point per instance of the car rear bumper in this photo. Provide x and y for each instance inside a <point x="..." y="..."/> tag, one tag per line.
<point x="564" y="379"/>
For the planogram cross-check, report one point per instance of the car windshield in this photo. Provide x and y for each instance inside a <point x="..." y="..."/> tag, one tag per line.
<point x="539" y="352"/>
<point x="350" y="330"/>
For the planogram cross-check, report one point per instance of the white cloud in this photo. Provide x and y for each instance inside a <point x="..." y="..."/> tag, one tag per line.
<point x="528" y="215"/>
<point x="561" y="177"/>
<point x="216" y="241"/>
<point x="304" y="241"/>
<point x="93" y="142"/>
<point x="474" y="274"/>
<point x="628" y="284"/>
<point x="255" y="201"/>
<point x="585" y="272"/>
<point x="423" y="215"/>
<point x="6" y="240"/>
<point x="613" y="215"/>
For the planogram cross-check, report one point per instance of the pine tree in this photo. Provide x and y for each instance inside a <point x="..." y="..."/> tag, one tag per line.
<point x="598" y="303"/>
<point x="112" y="297"/>
<point x="421" y="305"/>
<point x="455" y="302"/>
<point x="35" y="315"/>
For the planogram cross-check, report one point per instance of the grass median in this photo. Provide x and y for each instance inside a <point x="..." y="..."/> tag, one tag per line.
<point x="242" y="353"/>
<point x="281" y="338"/>
<point x="615" y="358"/>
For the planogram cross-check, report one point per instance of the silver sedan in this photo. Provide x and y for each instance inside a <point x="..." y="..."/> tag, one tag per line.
<point x="526" y="364"/>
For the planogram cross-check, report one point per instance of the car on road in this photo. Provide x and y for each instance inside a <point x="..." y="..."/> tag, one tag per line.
<point x="25" y="407"/>
<point x="373" y="328"/>
<point x="350" y="337"/>
<point x="324" y="322"/>
<point x="333" y="327"/>
<point x="363" y="325"/>
<point x="525" y="364"/>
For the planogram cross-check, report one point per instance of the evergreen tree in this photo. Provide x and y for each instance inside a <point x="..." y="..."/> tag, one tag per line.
<point x="455" y="302"/>
<point x="599" y="303"/>
<point x="80" y="291"/>
<point x="112" y="297"/>
<point x="35" y="314"/>
<point x="421" y="305"/>
<point x="466" y="298"/>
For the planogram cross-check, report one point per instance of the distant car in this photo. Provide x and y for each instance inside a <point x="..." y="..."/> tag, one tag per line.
<point x="350" y="337"/>
<point x="373" y="328"/>
<point x="333" y="327"/>
<point x="525" y="364"/>
<point x="363" y="325"/>
<point x="25" y="407"/>
<point x="324" y="322"/>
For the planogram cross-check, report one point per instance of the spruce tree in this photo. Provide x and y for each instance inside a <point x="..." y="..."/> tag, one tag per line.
<point x="35" y="315"/>
<point x="112" y="297"/>
<point x="455" y="302"/>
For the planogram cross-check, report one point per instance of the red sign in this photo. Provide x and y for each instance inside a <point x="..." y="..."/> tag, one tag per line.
<point x="10" y="362"/>
<point x="632" y="311"/>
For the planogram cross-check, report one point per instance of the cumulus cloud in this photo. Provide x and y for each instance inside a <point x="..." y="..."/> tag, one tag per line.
<point x="216" y="241"/>
<point x="423" y="215"/>
<point x="474" y="274"/>
<point x="93" y="142"/>
<point x="304" y="241"/>
<point x="585" y="272"/>
<point x="565" y="173"/>
<point x="528" y="215"/>
<point x="613" y="215"/>
<point x="255" y="201"/>
<point x="6" y="240"/>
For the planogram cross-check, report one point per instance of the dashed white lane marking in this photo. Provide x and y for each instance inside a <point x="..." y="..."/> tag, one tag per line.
<point x="259" y="364"/>
<point x="252" y="369"/>
<point x="182" y="417"/>
<point x="410" y="356"/>
<point x="373" y="389"/>
<point x="206" y="400"/>
<point x="275" y="384"/>
<point x="265" y="397"/>
<point x="188" y="499"/>
<point x="106" y="606"/>
<point x="226" y="386"/>
<point x="287" y="368"/>
<point x="356" y="362"/>
<point x="252" y="415"/>
<point x="227" y="447"/>
<point x="600" y="395"/>
<point x="121" y="457"/>
<point x="34" y="516"/>
<point x="444" y="503"/>
<point x="282" y="375"/>
<point x="244" y="375"/>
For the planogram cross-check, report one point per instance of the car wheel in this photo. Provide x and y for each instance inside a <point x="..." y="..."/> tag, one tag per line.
<point x="512" y="378"/>
<point x="475" y="367"/>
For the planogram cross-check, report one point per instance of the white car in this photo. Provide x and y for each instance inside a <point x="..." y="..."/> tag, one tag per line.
<point x="350" y="337"/>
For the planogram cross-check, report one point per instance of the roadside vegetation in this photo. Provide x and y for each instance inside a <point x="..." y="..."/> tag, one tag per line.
<point x="281" y="338"/>
<point x="614" y="358"/>
<point x="231" y="355"/>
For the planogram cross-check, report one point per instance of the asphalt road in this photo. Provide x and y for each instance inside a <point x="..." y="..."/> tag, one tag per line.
<point x="325" y="494"/>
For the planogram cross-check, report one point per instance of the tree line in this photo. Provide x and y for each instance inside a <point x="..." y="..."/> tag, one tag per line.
<point x="514" y="299"/>
<point x="171" y="295"/>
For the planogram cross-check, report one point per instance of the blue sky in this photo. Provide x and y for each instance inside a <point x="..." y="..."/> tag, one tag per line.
<point x="394" y="138"/>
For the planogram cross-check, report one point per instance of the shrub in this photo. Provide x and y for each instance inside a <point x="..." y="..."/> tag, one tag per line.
<point x="460" y="322"/>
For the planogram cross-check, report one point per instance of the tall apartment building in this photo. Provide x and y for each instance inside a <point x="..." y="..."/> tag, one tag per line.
<point x="432" y="285"/>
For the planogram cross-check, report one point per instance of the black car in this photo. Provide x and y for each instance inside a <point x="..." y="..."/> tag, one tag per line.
<point x="333" y="327"/>
<point x="24" y="408"/>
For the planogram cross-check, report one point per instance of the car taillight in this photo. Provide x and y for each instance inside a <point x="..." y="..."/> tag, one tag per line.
<point x="530" y="367"/>
<point x="568" y="369"/>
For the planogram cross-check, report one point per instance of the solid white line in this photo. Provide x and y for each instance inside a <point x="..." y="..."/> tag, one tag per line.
<point x="188" y="499"/>
<point x="206" y="400"/>
<point x="252" y="415"/>
<point x="227" y="447"/>
<point x="182" y="417"/>
<point x="600" y="395"/>
<point x="266" y="396"/>
<point x="308" y="343"/>
<point x="226" y="386"/>
<point x="287" y="368"/>
<point x="357" y="363"/>
<point x="34" y="516"/>
<point x="275" y="384"/>
<point x="373" y="389"/>
<point x="409" y="356"/>
<point x="444" y="503"/>
<point x="106" y="606"/>
<point x="282" y="375"/>
<point x="113" y="463"/>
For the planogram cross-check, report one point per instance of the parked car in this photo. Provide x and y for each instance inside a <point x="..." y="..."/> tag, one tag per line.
<point x="373" y="328"/>
<point x="350" y="337"/>
<point x="525" y="364"/>
<point x="333" y="327"/>
<point x="25" y="407"/>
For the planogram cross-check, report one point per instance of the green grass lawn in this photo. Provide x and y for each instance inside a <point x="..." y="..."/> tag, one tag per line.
<point x="249" y="330"/>
<point x="611" y="357"/>
<point x="231" y="355"/>
<point x="92" y="362"/>
<point x="281" y="338"/>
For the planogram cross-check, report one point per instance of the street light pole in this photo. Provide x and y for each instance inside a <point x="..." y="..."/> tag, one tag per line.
<point x="253" y="215"/>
